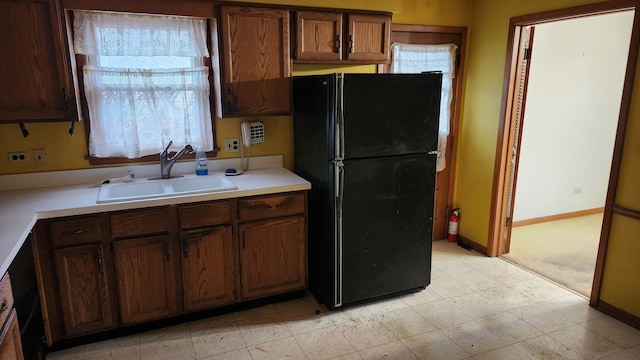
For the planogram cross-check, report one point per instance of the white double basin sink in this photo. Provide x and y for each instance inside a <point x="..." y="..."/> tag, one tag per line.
<point x="156" y="188"/>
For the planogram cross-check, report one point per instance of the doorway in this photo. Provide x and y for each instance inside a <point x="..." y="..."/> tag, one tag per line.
<point x="568" y="127"/>
<point x="555" y="190"/>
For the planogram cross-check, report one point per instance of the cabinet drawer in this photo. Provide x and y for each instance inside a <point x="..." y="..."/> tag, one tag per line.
<point x="265" y="207"/>
<point x="140" y="222"/>
<point x="75" y="231"/>
<point x="204" y="214"/>
<point x="6" y="298"/>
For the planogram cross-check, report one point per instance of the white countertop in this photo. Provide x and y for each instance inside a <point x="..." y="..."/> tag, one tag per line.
<point x="20" y="209"/>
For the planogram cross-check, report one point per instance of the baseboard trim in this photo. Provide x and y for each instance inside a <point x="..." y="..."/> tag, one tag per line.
<point x="617" y="313"/>
<point x="557" y="217"/>
<point x="474" y="245"/>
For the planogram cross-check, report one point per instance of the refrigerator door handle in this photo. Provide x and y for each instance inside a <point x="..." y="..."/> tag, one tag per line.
<point x="339" y="125"/>
<point x="338" y="221"/>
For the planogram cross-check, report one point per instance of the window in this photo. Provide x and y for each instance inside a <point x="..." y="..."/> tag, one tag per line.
<point x="145" y="82"/>
<point x="414" y="58"/>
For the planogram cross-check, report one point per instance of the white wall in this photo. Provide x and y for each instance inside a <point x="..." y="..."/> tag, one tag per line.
<point x="573" y="101"/>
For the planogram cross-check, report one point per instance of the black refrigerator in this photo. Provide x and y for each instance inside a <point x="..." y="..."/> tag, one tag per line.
<point x="367" y="144"/>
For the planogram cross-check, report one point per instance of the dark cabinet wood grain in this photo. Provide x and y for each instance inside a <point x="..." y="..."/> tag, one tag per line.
<point x="35" y="86"/>
<point x="145" y="277"/>
<point x="342" y="37"/>
<point x="84" y="292"/>
<point x="207" y="267"/>
<point x="273" y="257"/>
<point x="255" y="61"/>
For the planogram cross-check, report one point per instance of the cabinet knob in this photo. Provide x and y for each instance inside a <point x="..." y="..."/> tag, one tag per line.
<point x="350" y="44"/>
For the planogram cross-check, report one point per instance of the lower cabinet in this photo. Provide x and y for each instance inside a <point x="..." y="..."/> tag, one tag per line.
<point x="82" y="282"/>
<point x="207" y="267"/>
<point x="104" y="271"/>
<point x="273" y="257"/>
<point x="10" y="343"/>
<point x="145" y="278"/>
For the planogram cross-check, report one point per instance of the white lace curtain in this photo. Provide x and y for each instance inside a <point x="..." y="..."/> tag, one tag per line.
<point x="144" y="84"/>
<point x="414" y="58"/>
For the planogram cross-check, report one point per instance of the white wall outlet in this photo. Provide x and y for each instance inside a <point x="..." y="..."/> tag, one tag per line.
<point x="577" y="190"/>
<point x="18" y="157"/>
<point x="232" y="145"/>
<point x="40" y="157"/>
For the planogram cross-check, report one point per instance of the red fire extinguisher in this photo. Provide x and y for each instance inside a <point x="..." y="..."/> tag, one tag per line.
<point x="454" y="217"/>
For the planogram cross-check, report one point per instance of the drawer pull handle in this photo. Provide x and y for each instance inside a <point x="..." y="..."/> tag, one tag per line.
<point x="76" y="232"/>
<point x="4" y="306"/>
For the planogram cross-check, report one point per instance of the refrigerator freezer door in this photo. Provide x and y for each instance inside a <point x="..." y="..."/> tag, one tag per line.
<point x="390" y="114"/>
<point x="387" y="216"/>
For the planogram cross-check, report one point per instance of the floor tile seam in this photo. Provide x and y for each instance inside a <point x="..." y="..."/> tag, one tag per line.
<point x="605" y="337"/>
<point x="546" y="332"/>
<point x="505" y="340"/>
<point x="540" y="276"/>
<point x="308" y="331"/>
<point x="578" y="349"/>
<point x="87" y="353"/>
<point x="441" y="332"/>
<point x="397" y="340"/>
<point x="191" y="330"/>
<point x="358" y="350"/>
<point x="335" y="330"/>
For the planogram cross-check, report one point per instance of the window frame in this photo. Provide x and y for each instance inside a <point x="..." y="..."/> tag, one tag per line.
<point x="196" y="8"/>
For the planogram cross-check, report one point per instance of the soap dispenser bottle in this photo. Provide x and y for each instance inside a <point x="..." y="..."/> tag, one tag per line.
<point x="201" y="163"/>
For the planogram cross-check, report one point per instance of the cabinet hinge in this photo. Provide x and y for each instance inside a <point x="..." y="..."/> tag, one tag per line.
<point x="295" y="53"/>
<point x="527" y="54"/>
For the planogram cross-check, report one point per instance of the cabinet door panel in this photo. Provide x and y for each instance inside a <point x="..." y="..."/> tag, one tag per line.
<point x="10" y="343"/>
<point x="84" y="293"/>
<point x="145" y="277"/>
<point x="319" y="35"/>
<point x="368" y="38"/>
<point x="32" y="86"/>
<point x="207" y="267"/>
<point x="256" y="57"/>
<point x="273" y="257"/>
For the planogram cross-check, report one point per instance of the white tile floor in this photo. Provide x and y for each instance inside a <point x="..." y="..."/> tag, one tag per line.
<point x="476" y="308"/>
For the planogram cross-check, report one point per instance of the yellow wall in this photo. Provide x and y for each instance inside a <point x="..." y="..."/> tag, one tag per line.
<point x="620" y="287"/>
<point x="66" y="152"/>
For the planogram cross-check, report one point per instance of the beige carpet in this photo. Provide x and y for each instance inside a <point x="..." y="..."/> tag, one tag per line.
<point x="564" y="251"/>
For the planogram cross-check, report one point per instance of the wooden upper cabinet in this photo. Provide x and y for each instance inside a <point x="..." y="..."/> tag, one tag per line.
<point x="318" y="36"/>
<point x="337" y="37"/>
<point x="368" y="37"/>
<point x="34" y="85"/>
<point x="255" y="61"/>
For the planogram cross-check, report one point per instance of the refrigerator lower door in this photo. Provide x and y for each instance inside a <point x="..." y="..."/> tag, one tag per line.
<point x="386" y="221"/>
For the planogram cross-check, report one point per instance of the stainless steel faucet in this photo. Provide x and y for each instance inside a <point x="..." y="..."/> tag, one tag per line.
<point x="166" y="162"/>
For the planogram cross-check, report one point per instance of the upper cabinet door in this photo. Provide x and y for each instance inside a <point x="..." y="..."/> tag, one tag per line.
<point x="368" y="37"/>
<point x="33" y="80"/>
<point x="318" y="35"/>
<point x="256" y="61"/>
